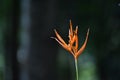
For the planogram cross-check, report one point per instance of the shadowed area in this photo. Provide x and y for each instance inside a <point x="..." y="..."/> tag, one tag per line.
<point x="28" y="53"/>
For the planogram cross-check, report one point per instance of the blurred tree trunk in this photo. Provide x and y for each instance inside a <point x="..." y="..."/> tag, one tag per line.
<point x="42" y="55"/>
<point x="24" y="46"/>
<point x="109" y="66"/>
<point x="11" y="42"/>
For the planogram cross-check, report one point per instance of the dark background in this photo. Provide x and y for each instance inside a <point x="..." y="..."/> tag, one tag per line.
<point x="28" y="53"/>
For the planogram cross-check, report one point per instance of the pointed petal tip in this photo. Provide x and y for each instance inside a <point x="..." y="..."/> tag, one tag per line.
<point x="70" y="21"/>
<point x="76" y="30"/>
<point x="88" y="31"/>
<point x="52" y="37"/>
<point x="55" y="30"/>
<point x="77" y="26"/>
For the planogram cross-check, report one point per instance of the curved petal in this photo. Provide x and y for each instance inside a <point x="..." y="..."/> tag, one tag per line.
<point x="83" y="46"/>
<point x="76" y="40"/>
<point x="60" y="38"/>
<point x="70" y="31"/>
<point x="64" y="46"/>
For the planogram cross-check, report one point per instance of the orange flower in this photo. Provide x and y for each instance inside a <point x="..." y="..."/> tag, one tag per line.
<point x="72" y="46"/>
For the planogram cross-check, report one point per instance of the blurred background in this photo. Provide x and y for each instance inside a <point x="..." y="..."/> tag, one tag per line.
<point x="28" y="53"/>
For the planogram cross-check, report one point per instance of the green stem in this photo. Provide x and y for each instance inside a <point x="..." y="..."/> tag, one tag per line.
<point x="76" y="66"/>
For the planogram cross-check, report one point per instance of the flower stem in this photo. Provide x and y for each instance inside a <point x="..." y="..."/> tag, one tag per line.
<point x="76" y="66"/>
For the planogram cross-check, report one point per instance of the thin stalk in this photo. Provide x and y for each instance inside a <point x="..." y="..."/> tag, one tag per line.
<point x="76" y="66"/>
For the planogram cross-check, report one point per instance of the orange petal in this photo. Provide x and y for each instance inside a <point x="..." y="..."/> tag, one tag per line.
<point x="83" y="46"/>
<point x="76" y="30"/>
<point x="71" y="27"/>
<point x="60" y="38"/>
<point x="71" y="30"/>
<point x="64" y="46"/>
<point x="72" y="40"/>
<point x="76" y="40"/>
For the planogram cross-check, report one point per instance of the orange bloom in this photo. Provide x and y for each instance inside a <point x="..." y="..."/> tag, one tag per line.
<point x="72" y="45"/>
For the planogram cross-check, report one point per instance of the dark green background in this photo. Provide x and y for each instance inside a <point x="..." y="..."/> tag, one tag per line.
<point x="46" y="60"/>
